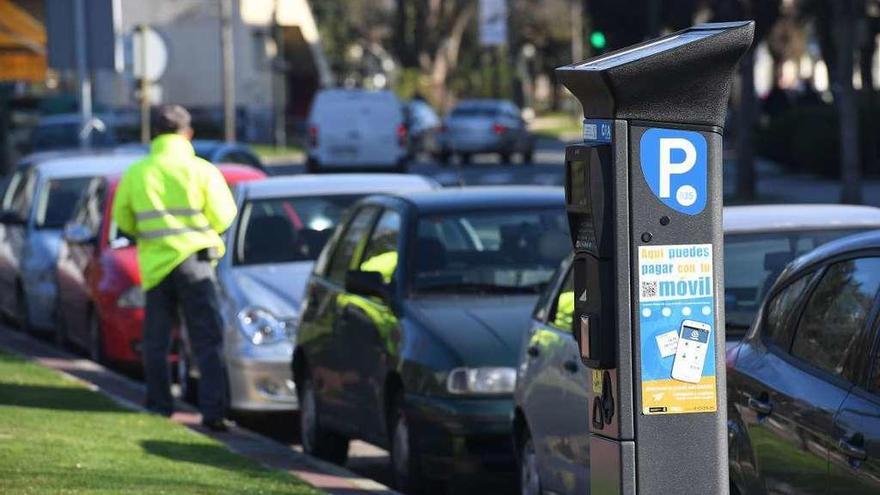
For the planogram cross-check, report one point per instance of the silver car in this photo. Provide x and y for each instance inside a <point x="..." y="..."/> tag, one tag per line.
<point x="551" y="419"/>
<point x="36" y="202"/>
<point x="484" y="126"/>
<point x="281" y="229"/>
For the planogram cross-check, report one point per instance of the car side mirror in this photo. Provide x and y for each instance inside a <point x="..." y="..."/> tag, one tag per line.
<point x="77" y="233"/>
<point x="11" y="218"/>
<point x="366" y="284"/>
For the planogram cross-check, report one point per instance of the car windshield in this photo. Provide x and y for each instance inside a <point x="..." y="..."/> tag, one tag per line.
<point x="752" y="262"/>
<point x="281" y="230"/>
<point x="475" y="111"/>
<point x="57" y="201"/>
<point x="511" y="251"/>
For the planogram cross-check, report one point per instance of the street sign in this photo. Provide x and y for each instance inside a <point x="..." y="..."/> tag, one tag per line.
<point x="493" y="22"/>
<point x="643" y="195"/>
<point x="149" y="54"/>
<point x="101" y="28"/>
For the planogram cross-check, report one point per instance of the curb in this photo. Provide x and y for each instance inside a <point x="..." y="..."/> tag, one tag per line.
<point x="324" y="476"/>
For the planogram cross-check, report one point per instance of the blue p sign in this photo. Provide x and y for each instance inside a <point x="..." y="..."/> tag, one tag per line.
<point x="674" y="166"/>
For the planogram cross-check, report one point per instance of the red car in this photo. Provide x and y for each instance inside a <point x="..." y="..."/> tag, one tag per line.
<point x="100" y="301"/>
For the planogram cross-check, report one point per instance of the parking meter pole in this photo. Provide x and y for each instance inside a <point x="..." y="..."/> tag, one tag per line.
<point x="644" y="199"/>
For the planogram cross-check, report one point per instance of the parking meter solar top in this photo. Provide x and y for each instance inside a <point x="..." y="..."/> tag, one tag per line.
<point x="663" y="80"/>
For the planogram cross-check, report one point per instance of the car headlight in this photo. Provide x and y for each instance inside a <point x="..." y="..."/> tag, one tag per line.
<point x="476" y="381"/>
<point x="261" y="327"/>
<point x="133" y="297"/>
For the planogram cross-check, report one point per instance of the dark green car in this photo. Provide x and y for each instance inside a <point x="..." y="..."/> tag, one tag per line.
<point x="412" y="321"/>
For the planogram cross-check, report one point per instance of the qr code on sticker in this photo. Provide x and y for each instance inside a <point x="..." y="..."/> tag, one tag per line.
<point x="649" y="289"/>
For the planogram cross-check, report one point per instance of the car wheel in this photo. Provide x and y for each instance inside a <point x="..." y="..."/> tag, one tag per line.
<point x="189" y="386"/>
<point x="402" y="166"/>
<point x="24" y="314"/>
<point x="60" y="329"/>
<point x="529" y="479"/>
<point x="528" y="157"/>
<point x="465" y="158"/>
<point x="505" y="158"/>
<point x="312" y="166"/>
<point x="443" y="157"/>
<point x="405" y="465"/>
<point x="317" y="441"/>
<point x="96" y="339"/>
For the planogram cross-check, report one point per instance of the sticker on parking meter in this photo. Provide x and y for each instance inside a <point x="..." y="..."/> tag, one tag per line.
<point x="674" y="165"/>
<point x="676" y="326"/>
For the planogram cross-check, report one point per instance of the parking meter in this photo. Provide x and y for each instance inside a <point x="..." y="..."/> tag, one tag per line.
<point x="644" y="199"/>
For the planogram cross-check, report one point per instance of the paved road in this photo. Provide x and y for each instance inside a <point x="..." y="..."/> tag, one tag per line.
<point x="547" y="169"/>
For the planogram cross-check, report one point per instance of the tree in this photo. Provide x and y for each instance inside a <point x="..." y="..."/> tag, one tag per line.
<point x="429" y="38"/>
<point x="845" y="14"/>
<point x="765" y="13"/>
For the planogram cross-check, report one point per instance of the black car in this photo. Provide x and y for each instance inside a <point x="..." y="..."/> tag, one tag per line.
<point x="804" y="385"/>
<point x="412" y="321"/>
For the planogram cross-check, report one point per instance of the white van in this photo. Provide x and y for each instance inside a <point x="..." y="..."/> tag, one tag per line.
<point x="355" y="128"/>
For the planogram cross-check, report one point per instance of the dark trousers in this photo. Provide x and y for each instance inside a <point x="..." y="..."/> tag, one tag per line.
<point x="192" y="287"/>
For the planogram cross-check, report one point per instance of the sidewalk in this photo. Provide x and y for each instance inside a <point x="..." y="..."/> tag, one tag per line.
<point x="129" y="393"/>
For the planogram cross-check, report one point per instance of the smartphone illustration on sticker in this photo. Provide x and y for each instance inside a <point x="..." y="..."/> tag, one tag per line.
<point x="693" y="344"/>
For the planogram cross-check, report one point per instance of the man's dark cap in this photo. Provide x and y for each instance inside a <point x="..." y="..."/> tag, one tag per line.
<point x="171" y="119"/>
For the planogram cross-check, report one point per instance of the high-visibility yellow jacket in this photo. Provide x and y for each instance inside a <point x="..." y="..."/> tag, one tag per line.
<point x="174" y="204"/>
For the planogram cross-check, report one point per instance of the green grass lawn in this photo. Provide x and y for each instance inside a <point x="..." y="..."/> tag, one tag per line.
<point x="269" y="152"/>
<point x="58" y="437"/>
<point x="557" y="125"/>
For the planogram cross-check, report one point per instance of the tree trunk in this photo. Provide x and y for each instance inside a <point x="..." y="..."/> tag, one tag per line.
<point x="446" y="57"/>
<point x="844" y="42"/>
<point x="866" y="63"/>
<point x="745" y="145"/>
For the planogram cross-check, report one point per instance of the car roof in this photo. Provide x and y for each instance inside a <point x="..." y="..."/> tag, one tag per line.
<point x="70" y="118"/>
<point x="310" y="185"/>
<point x="482" y="102"/>
<point x="44" y="156"/>
<point x="232" y="172"/>
<point x="774" y="218"/>
<point x="848" y="244"/>
<point x="484" y="197"/>
<point x="86" y="165"/>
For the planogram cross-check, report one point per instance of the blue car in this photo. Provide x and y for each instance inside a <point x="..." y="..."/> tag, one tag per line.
<point x="803" y="387"/>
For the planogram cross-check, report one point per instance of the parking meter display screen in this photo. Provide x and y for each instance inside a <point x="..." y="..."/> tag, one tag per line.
<point x="578" y="183"/>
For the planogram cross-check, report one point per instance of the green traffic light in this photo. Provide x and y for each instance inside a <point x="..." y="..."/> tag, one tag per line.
<point x="597" y="40"/>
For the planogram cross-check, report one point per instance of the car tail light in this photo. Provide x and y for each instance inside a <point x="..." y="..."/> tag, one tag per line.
<point x="499" y="128"/>
<point x="401" y="135"/>
<point x="313" y="136"/>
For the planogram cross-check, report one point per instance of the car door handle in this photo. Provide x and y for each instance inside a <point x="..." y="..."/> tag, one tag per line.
<point x="570" y="366"/>
<point x="852" y="451"/>
<point x="760" y="406"/>
<point x="533" y="351"/>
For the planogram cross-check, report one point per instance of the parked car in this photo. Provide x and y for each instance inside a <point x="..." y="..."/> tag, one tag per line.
<point x="485" y="126"/>
<point x="422" y="125"/>
<point x="411" y="324"/>
<point x="214" y="151"/>
<point x="283" y="225"/>
<point x="62" y="131"/>
<point x="100" y="301"/>
<point x="36" y="204"/>
<point x="551" y="423"/>
<point x="223" y="152"/>
<point x="803" y="388"/>
<point x="356" y="129"/>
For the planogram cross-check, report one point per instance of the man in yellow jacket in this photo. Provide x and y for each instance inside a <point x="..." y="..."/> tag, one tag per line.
<point x="175" y="205"/>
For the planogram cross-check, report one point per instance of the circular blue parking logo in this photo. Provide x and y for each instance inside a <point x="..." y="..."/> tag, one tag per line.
<point x="674" y="164"/>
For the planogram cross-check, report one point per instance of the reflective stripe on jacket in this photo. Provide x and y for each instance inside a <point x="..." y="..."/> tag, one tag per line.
<point x="174" y="204"/>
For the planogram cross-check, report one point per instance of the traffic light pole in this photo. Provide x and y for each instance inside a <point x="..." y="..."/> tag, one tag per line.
<point x="644" y="197"/>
